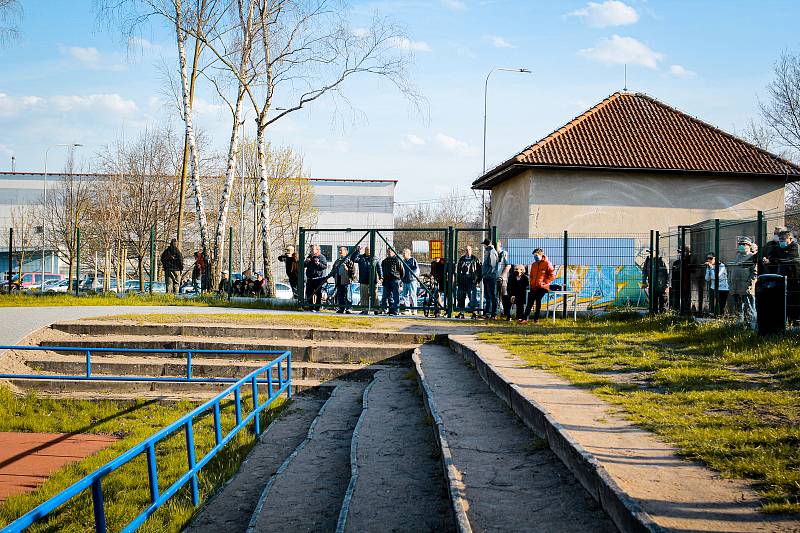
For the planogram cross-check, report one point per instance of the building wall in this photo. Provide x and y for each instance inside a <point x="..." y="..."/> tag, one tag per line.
<point x="618" y="202"/>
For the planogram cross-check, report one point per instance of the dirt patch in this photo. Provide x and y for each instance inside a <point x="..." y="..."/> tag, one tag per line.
<point x="28" y="459"/>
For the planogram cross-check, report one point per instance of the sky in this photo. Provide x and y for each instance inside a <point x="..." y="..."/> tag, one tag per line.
<point x="70" y="79"/>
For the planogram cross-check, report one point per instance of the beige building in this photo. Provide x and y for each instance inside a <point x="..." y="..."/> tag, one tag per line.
<point x="631" y="164"/>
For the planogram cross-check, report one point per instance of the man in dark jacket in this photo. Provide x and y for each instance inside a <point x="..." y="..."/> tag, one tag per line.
<point x="291" y="261"/>
<point x="771" y="247"/>
<point x="172" y="263"/>
<point x="393" y="272"/>
<point x="315" y="265"/>
<point x="660" y="280"/>
<point x="468" y="275"/>
<point x="368" y="266"/>
<point x="516" y="292"/>
<point x="438" y="272"/>
<point x="785" y="260"/>
<point x="344" y="272"/>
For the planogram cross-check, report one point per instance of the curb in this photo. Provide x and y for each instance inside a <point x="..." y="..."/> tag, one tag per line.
<point x="625" y="512"/>
<point x="458" y="504"/>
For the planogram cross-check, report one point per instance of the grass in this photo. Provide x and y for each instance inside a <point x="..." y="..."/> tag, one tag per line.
<point x="722" y="394"/>
<point x="322" y="320"/>
<point x="125" y="491"/>
<point x="62" y="299"/>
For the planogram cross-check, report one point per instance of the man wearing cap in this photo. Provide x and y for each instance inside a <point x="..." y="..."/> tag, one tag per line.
<point x="222" y="288"/>
<point x="489" y="275"/>
<point x="541" y="274"/>
<point x="172" y="263"/>
<point x="770" y="248"/>
<point x="742" y="279"/>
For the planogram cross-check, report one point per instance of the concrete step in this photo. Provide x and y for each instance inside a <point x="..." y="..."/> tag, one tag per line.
<point x="307" y="493"/>
<point x="120" y="365"/>
<point x="232" y="507"/>
<point x="76" y="388"/>
<point x="95" y="328"/>
<point x="502" y="476"/>
<point x="399" y="484"/>
<point x="302" y="350"/>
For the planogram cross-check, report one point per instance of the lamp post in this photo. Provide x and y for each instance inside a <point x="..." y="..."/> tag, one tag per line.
<point x="485" y="106"/>
<point x="44" y="201"/>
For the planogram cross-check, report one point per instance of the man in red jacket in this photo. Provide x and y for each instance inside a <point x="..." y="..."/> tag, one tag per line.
<point x="541" y="274"/>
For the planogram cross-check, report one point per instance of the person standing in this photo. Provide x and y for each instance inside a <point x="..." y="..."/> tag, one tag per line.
<point x="503" y="271"/>
<point x="660" y="281"/>
<point x="491" y="261"/>
<point x="393" y="272"/>
<point x="541" y="274"/>
<point x="468" y="274"/>
<point x="315" y="265"/>
<point x="785" y="259"/>
<point x="410" y="283"/>
<point x="172" y="263"/>
<point x="772" y="247"/>
<point x="438" y="270"/>
<point x="714" y="293"/>
<point x="224" y="286"/>
<point x="516" y="292"/>
<point x="344" y="272"/>
<point x="368" y="266"/>
<point x="291" y="260"/>
<point x="742" y="278"/>
<point x="199" y="272"/>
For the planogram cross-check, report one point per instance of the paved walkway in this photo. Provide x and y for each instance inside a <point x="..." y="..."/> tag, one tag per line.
<point x="16" y="323"/>
<point x="678" y="495"/>
<point x="28" y="459"/>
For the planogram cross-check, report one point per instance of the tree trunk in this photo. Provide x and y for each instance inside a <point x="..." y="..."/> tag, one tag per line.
<point x="266" y="245"/>
<point x="225" y="201"/>
<point x="196" y="188"/>
<point x="141" y="274"/>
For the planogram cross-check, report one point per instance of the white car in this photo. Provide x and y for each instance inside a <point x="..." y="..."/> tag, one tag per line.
<point x="283" y="291"/>
<point x="60" y="285"/>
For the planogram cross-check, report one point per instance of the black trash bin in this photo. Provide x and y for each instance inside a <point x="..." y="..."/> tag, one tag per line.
<point x="771" y="303"/>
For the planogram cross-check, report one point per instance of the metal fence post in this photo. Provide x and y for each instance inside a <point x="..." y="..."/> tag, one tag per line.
<point x="230" y="262"/>
<point x="494" y="235"/>
<point x="656" y="264"/>
<point x="650" y="285"/>
<point x="152" y="258"/>
<point x="301" y="272"/>
<point x="372" y="271"/>
<point x="449" y="271"/>
<point x="77" y="259"/>
<point x="11" y="259"/>
<point x="681" y="267"/>
<point x="566" y="265"/>
<point x="716" y="268"/>
<point x="759" y="235"/>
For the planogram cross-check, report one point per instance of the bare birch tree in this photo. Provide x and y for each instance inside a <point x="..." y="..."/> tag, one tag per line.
<point x="10" y="15"/>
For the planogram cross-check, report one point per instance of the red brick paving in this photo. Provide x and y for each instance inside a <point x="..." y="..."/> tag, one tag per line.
<point x="28" y="459"/>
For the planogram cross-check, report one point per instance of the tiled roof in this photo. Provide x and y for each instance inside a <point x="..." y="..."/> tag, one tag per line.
<point x="634" y="131"/>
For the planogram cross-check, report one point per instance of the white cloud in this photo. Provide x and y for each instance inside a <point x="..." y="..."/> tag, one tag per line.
<point x="623" y="50"/>
<point x="113" y="103"/>
<point x="360" y="32"/>
<point x="679" y="71"/>
<point x="88" y="56"/>
<point x="412" y="141"/>
<point x="405" y="43"/>
<point x="202" y="106"/>
<point x="451" y="144"/>
<point x="454" y="5"/>
<point x="499" y="42"/>
<point x="609" y="13"/>
<point x="142" y="43"/>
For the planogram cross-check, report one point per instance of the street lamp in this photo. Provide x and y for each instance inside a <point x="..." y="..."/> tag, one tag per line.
<point x="485" y="102"/>
<point x="44" y="200"/>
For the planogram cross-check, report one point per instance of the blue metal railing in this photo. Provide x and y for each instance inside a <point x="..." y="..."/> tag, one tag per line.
<point x="157" y="496"/>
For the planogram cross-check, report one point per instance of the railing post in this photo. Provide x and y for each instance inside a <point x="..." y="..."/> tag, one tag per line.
<point x="301" y="271"/>
<point x="716" y="268"/>
<point x="152" y="473"/>
<point x="759" y="235"/>
<point x="280" y="377"/>
<point x="566" y="279"/>
<point x="217" y="427"/>
<point x="288" y="375"/>
<point x="684" y="306"/>
<point x="655" y="268"/>
<point x="256" y="420"/>
<point x="98" y="506"/>
<point x="449" y="268"/>
<point x="269" y="380"/>
<point x="191" y="460"/>
<point x="237" y="397"/>
<point x="88" y="364"/>
<point x="188" y="366"/>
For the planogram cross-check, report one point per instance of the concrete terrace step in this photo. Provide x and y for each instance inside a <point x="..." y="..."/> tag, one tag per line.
<point x="248" y="332"/>
<point x="302" y="350"/>
<point x="502" y="476"/>
<point x="75" y="364"/>
<point x="76" y="388"/>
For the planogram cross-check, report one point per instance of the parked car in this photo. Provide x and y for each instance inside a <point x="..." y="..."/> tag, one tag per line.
<point x="283" y="291"/>
<point x="88" y="283"/>
<point x="33" y="280"/>
<point x="58" y="286"/>
<point x="132" y="286"/>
